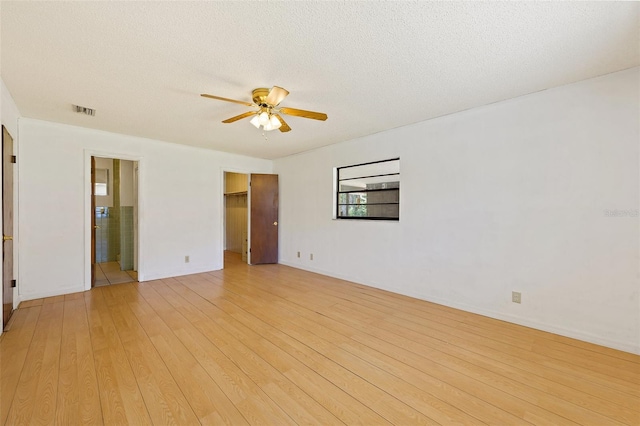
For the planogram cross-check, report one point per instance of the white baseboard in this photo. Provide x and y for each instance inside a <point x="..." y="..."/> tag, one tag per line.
<point x="551" y="328"/>
<point x="562" y="331"/>
<point x="170" y="274"/>
<point x="50" y="293"/>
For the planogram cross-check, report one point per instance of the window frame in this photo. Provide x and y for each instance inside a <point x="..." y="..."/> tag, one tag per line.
<point x="337" y="192"/>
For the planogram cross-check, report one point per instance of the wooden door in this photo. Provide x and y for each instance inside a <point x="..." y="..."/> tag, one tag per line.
<point x="7" y="226"/>
<point x="93" y="221"/>
<point x="264" y="219"/>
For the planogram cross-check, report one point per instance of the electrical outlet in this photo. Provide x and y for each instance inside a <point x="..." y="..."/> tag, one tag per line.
<point x="298" y="254"/>
<point x="186" y="259"/>
<point x="311" y="256"/>
<point x="516" y="297"/>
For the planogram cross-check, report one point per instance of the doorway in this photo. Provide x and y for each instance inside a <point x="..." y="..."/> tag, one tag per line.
<point x="7" y="226"/>
<point x="250" y="218"/>
<point x="114" y="220"/>
<point x="236" y="231"/>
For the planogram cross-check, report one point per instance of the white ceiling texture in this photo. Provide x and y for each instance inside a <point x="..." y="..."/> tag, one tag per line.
<point x="371" y="66"/>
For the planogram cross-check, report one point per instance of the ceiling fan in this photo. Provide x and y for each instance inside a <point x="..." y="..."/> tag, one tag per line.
<point x="268" y="113"/>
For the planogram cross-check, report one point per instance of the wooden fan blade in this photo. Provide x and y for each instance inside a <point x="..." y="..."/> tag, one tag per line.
<point x="284" y="127"/>
<point x="239" y="117"/>
<point x="302" y="113"/>
<point x="276" y="95"/>
<point x="226" y="99"/>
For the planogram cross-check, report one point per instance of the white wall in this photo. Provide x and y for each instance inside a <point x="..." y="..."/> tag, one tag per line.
<point x="9" y="116"/>
<point x="510" y="196"/>
<point x="181" y="193"/>
<point x="9" y="111"/>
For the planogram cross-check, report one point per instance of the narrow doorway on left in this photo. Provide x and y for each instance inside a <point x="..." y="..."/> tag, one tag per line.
<point x="113" y="218"/>
<point x="8" y="282"/>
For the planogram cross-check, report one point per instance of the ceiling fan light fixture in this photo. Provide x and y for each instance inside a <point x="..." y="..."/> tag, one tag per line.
<point x="263" y="118"/>
<point x="255" y="121"/>
<point x="274" y="122"/>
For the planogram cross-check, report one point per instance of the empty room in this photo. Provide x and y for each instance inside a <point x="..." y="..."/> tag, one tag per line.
<point x="320" y="213"/>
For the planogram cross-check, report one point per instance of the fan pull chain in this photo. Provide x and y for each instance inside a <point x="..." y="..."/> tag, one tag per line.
<point x="264" y="135"/>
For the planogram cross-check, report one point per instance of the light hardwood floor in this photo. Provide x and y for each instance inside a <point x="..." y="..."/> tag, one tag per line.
<point x="275" y="345"/>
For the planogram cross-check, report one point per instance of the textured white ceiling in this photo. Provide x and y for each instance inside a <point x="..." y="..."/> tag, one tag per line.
<point x="369" y="66"/>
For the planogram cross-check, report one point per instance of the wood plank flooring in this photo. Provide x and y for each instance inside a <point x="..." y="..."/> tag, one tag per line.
<point x="276" y="345"/>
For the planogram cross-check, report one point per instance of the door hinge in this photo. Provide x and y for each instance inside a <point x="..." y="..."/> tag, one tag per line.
<point x="14" y="159"/>
<point x="13" y="283"/>
<point x="249" y="250"/>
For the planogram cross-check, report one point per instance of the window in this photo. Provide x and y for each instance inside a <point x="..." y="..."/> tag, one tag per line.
<point x="369" y="191"/>
<point x="102" y="180"/>
<point x="101" y="189"/>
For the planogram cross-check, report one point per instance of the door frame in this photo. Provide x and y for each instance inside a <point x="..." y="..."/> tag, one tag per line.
<point x="88" y="153"/>
<point x="223" y="213"/>
<point x="14" y="231"/>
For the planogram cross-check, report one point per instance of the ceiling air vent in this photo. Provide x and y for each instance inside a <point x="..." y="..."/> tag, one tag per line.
<point x="84" y="110"/>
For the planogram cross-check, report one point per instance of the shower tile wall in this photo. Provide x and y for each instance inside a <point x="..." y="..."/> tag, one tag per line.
<point x="107" y="235"/>
<point x="126" y="238"/>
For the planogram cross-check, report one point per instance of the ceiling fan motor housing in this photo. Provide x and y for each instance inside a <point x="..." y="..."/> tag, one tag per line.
<point x="260" y="96"/>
